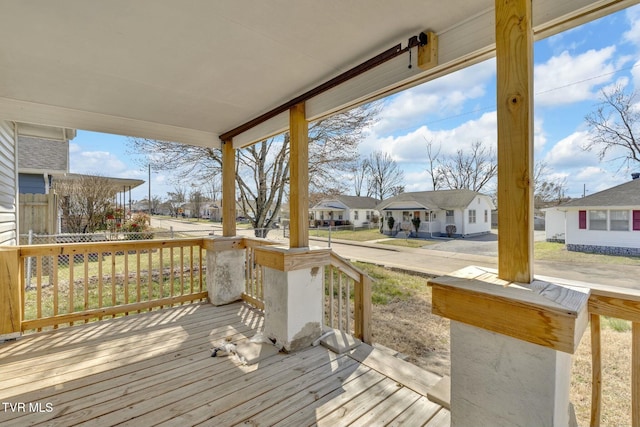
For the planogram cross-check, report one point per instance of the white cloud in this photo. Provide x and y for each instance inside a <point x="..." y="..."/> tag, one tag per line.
<point x="411" y="147"/>
<point x="101" y="163"/>
<point x="433" y="100"/>
<point x="633" y="34"/>
<point x="566" y="79"/>
<point x="569" y="153"/>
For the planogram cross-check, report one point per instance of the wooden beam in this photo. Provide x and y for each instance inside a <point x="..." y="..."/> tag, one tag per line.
<point x="228" y="189"/>
<point x="514" y="62"/>
<point x="299" y="179"/>
<point x="540" y="312"/>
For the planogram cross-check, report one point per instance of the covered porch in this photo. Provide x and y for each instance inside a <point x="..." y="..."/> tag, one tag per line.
<point x="197" y="75"/>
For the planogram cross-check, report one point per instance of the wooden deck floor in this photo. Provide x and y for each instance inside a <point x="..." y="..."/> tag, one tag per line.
<point x="155" y="368"/>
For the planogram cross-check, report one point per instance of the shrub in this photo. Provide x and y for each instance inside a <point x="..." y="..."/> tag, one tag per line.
<point x="138" y="224"/>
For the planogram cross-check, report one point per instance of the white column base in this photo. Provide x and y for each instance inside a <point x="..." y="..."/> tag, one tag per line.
<point x="225" y="276"/>
<point x="498" y="381"/>
<point x="293" y="306"/>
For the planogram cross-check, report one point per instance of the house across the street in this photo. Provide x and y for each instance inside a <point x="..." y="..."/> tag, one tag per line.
<point x="345" y="210"/>
<point x="607" y="222"/>
<point x="441" y="213"/>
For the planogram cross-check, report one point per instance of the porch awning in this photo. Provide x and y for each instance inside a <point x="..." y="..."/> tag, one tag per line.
<point x="191" y="72"/>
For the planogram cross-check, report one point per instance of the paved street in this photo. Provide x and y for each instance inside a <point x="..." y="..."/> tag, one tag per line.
<point x="441" y="258"/>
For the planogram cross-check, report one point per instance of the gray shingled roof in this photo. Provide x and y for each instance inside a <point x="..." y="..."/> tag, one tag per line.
<point x="627" y="194"/>
<point x="352" y="202"/>
<point x="357" y="202"/>
<point x="46" y="155"/>
<point x="441" y="199"/>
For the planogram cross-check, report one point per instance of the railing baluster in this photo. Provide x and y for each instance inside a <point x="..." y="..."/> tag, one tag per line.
<point x="100" y="281"/>
<point x="160" y="275"/>
<point x="71" y="284"/>
<point x="339" y="300"/>
<point x="125" y="282"/>
<point x="191" y="269"/>
<point x="54" y="280"/>
<point x="596" y="371"/>
<point x="150" y="278"/>
<point x="331" y="299"/>
<point x="85" y="259"/>
<point x="138" y="278"/>
<point x="201" y="277"/>
<point x="181" y="270"/>
<point x="171" y="267"/>
<point x="39" y="288"/>
<point x="113" y="279"/>
<point x="635" y="374"/>
<point x="348" y="306"/>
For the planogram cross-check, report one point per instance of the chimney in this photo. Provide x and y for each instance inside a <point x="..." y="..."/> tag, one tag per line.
<point x="635" y="175"/>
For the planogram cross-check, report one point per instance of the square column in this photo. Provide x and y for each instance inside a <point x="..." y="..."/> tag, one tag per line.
<point x="225" y="269"/>
<point x="511" y="347"/>
<point x="293" y="294"/>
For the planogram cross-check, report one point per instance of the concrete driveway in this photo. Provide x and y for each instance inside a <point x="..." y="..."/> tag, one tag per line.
<point x="486" y="244"/>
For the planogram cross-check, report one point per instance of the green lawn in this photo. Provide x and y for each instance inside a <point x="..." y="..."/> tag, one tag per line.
<point x="357" y="235"/>
<point x="549" y="251"/>
<point x="408" y="243"/>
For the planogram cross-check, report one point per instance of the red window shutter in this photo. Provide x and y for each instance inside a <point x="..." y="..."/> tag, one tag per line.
<point x="582" y="220"/>
<point x="636" y="220"/>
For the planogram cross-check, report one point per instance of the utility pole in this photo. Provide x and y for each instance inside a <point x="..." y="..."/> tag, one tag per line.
<point x="149" y="193"/>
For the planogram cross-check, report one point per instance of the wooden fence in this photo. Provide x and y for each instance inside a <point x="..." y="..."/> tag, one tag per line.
<point x="38" y="213"/>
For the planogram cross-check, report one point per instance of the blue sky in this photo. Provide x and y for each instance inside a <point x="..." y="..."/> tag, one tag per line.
<point x="570" y="70"/>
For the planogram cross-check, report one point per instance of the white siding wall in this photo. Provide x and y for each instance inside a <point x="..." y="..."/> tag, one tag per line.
<point x="554" y="223"/>
<point x="8" y="185"/>
<point x="620" y="239"/>
<point x="479" y="204"/>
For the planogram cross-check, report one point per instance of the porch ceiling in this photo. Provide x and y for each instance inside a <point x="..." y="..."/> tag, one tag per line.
<point x="191" y="71"/>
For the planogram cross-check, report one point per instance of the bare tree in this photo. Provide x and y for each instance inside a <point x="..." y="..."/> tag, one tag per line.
<point x="360" y="172"/>
<point x="262" y="180"/>
<point x="85" y="201"/>
<point x="263" y="169"/>
<point x="432" y="165"/>
<point x="177" y="198"/>
<point x="386" y="178"/>
<point x="196" y="199"/>
<point x="614" y="127"/>
<point x="471" y="169"/>
<point x="547" y="190"/>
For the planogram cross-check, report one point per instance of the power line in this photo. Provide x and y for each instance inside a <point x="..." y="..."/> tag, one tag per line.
<point x="493" y="106"/>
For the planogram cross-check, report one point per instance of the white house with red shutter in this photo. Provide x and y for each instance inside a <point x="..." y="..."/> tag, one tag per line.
<point x="606" y="222"/>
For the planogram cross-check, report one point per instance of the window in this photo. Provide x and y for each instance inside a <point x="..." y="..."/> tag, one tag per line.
<point x="450" y="217"/>
<point x="406" y="216"/>
<point x="619" y="220"/>
<point x="472" y="216"/>
<point x="486" y="216"/>
<point x="355" y="215"/>
<point x="389" y="213"/>
<point x="368" y="215"/>
<point x="582" y="220"/>
<point x="636" y="220"/>
<point x="598" y="220"/>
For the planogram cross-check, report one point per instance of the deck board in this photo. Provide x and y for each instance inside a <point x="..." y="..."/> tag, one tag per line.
<point x="155" y="368"/>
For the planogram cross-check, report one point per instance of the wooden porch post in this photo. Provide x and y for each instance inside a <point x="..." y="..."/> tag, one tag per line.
<point x="228" y="189"/>
<point x="10" y="293"/>
<point x="299" y="177"/>
<point x="514" y="59"/>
